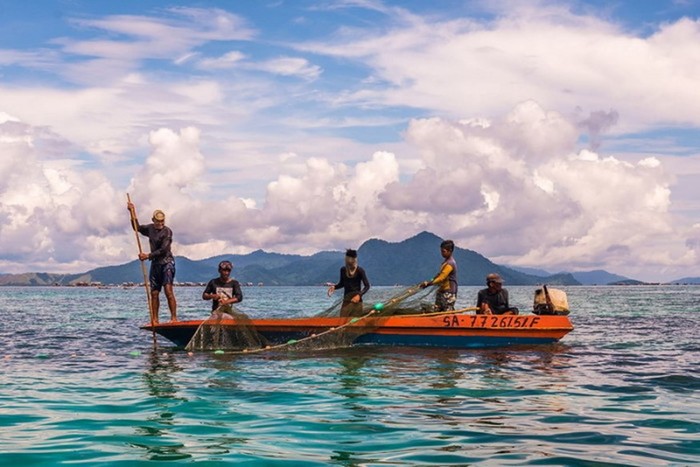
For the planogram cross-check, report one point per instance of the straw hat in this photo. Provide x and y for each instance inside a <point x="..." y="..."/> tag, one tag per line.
<point x="158" y="215"/>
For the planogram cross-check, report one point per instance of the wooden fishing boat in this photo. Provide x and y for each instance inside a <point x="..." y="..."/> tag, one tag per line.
<point x="458" y="330"/>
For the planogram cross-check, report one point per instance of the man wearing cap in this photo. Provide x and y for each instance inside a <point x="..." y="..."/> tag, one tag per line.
<point x="493" y="300"/>
<point x="223" y="291"/>
<point x="162" y="274"/>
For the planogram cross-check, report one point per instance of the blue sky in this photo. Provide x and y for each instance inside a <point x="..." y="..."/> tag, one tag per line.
<point x="559" y="135"/>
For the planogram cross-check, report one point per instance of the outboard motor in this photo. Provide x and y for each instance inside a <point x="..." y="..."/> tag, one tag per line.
<point x="550" y="302"/>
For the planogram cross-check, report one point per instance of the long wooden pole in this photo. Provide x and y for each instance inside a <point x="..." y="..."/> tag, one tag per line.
<point x="134" y="225"/>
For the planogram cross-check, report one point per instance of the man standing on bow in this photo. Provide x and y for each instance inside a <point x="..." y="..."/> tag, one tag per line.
<point x="162" y="273"/>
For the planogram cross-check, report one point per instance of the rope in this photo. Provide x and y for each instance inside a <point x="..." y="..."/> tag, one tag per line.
<point x="292" y="342"/>
<point x="439" y="313"/>
<point x="411" y="291"/>
<point x="305" y="339"/>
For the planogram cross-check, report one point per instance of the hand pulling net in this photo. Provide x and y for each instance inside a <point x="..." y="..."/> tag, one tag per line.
<point x="409" y="300"/>
<point x="232" y="330"/>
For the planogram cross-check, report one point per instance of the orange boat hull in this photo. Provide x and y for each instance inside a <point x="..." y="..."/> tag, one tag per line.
<point x="446" y="330"/>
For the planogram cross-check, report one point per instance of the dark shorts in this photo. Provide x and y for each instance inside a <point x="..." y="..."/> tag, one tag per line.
<point x="161" y="274"/>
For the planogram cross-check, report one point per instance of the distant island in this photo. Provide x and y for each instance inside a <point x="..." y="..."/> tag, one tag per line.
<point x="407" y="262"/>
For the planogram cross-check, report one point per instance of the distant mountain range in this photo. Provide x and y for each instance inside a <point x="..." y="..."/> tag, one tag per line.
<point x="596" y="277"/>
<point x="408" y="262"/>
<point x="687" y="280"/>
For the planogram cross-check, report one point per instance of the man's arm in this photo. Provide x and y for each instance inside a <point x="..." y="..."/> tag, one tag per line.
<point x="237" y="292"/>
<point x="135" y="224"/>
<point x="365" y="282"/>
<point x="445" y="271"/>
<point x="341" y="281"/>
<point x="443" y="274"/>
<point x="483" y="304"/>
<point x="209" y="291"/>
<point x="335" y="287"/>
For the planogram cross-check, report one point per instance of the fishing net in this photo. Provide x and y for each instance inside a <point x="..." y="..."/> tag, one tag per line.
<point x="394" y="301"/>
<point x="341" y="325"/>
<point x="365" y="317"/>
<point x="226" y="329"/>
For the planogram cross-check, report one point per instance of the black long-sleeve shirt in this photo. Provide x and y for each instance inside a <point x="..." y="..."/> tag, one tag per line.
<point x="160" y="242"/>
<point x="352" y="285"/>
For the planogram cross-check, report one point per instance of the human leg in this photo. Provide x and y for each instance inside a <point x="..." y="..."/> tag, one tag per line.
<point x="168" y="280"/>
<point x="155" y="277"/>
<point x="155" y="304"/>
<point x="172" y="303"/>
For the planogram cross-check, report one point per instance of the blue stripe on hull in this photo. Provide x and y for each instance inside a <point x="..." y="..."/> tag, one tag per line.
<point x="464" y="342"/>
<point x="412" y="340"/>
<point x="415" y="340"/>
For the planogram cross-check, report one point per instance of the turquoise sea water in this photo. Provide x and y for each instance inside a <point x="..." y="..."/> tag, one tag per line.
<point x="80" y="383"/>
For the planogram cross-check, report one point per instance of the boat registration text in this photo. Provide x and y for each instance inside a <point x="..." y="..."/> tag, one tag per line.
<point x="490" y="321"/>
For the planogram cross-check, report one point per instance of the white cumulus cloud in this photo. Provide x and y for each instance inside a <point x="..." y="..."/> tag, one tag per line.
<point x="50" y="207"/>
<point x="289" y="66"/>
<point x="493" y="185"/>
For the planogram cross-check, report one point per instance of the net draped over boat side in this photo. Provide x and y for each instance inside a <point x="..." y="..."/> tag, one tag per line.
<point x="226" y="329"/>
<point x="377" y="306"/>
<point x="231" y="329"/>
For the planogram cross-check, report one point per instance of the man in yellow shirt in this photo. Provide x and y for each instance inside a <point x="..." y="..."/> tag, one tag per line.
<point x="446" y="279"/>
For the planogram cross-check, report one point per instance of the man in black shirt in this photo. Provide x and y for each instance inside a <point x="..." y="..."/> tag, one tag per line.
<point x="223" y="291"/>
<point x="494" y="299"/>
<point x="162" y="273"/>
<point x="355" y="284"/>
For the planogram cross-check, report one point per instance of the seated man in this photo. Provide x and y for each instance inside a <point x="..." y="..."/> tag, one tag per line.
<point x="494" y="299"/>
<point x="223" y="292"/>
